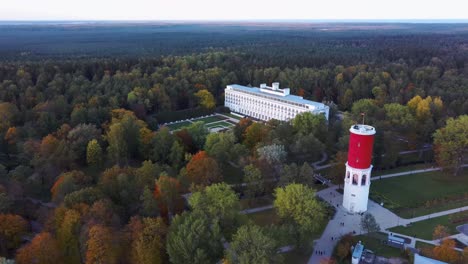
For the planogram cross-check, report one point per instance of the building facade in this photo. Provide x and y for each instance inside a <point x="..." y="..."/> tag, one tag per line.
<point x="358" y="168"/>
<point x="267" y="103"/>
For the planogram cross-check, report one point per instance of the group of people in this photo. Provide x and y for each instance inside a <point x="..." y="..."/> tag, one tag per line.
<point x="319" y="252"/>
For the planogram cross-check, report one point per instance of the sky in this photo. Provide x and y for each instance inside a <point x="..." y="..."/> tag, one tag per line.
<point x="231" y="10"/>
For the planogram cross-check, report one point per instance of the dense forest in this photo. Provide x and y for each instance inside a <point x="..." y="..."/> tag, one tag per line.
<point x="87" y="167"/>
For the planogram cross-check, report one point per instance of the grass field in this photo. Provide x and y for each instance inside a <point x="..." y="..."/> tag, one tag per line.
<point x="219" y="124"/>
<point x="179" y="125"/>
<point x="265" y="218"/>
<point x="407" y="195"/>
<point x="210" y="119"/>
<point x="424" y="229"/>
<point x="256" y="202"/>
<point x="401" y="169"/>
<point x="375" y="244"/>
<point x="233" y="116"/>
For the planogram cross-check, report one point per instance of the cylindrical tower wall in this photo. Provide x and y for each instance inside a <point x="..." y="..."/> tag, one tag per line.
<point x="361" y="141"/>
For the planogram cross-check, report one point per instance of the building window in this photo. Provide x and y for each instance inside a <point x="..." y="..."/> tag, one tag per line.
<point x="363" y="180"/>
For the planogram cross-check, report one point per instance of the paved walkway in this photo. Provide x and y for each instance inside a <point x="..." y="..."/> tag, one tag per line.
<point x="257" y="209"/>
<point x="383" y="216"/>
<point x="316" y="164"/>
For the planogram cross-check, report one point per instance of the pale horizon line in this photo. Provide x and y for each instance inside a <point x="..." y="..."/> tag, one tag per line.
<point x="345" y="20"/>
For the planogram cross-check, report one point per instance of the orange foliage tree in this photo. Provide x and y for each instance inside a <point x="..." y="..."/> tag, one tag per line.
<point x="101" y="246"/>
<point x="148" y="246"/>
<point x="12" y="227"/>
<point x="446" y="251"/>
<point x="440" y="232"/>
<point x="43" y="249"/>
<point x="167" y="194"/>
<point x="202" y="170"/>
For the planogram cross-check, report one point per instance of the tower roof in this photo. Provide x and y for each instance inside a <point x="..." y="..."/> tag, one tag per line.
<point x="361" y="129"/>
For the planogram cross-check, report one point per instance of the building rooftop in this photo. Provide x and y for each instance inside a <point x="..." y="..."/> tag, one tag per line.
<point x="290" y="98"/>
<point x="418" y="259"/>
<point x="358" y="249"/>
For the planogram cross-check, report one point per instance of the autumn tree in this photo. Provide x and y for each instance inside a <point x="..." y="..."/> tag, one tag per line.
<point x="150" y="243"/>
<point x="464" y="257"/>
<point x="43" y="249"/>
<point x="240" y="127"/>
<point x="440" y="232"/>
<point x="206" y="99"/>
<point x="101" y="246"/>
<point x="12" y="228"/>
<point x="451" y="143"/>
<point x="254" y="134"/>
<point x="9" y="114"/>
<point x="446" y="251"/>
<point x="250" y="244"/>
<point x="94" y="155"/>
<point x="194" y="238"/>
<point x="297" y="206"/>
<point x="167" y="193"/>
<point x="343" y="248"/>
<point x="68" y="236"/>
<point x="69" y="182"/>
<point x="202" y="170"/>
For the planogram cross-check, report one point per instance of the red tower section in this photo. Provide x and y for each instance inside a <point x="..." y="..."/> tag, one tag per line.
<point x="361" y="141"/>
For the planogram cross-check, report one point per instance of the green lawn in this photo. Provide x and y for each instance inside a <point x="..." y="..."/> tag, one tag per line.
<point x="256" y="202"/>
<point x="179" y="125"/>
<point x="401" y="169"/>
<point x="219" y="124"/>
<point x="210" y="119"/>
<point x="233" y="116"/>
<point x="265" y="218"/>
<point x="424" y="229"/>
<point x="408" y="195"/>
<point x="374" y="243"/>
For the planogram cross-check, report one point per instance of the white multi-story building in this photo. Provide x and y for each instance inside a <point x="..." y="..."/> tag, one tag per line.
<point x="267" y="103"/>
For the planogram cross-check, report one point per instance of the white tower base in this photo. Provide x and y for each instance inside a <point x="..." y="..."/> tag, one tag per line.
<point x="356" y="189"/>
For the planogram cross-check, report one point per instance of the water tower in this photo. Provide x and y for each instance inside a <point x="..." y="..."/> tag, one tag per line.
<point x="358" y="168"/>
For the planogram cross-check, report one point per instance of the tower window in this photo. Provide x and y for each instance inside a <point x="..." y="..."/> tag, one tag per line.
<point x="363" y="180"/>
<point x="355" y="179"/>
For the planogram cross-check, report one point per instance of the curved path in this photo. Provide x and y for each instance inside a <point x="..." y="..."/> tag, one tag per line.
<point x="351" y="222"/>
